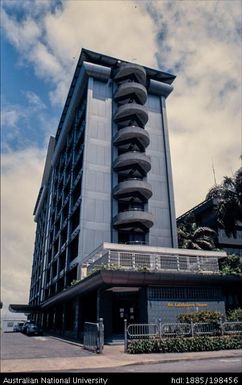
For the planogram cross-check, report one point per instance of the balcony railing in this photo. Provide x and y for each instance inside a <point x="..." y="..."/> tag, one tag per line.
<point x="131" y="209"/>
<point x="153" y="262"/>
<point x="133" y="242"/>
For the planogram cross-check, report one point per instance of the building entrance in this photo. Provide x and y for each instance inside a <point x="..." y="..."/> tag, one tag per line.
<point x="125" y="306"/>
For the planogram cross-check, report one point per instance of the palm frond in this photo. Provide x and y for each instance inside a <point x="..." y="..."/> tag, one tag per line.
<point x="203" y="231"/>
<point x="206" y="245"/>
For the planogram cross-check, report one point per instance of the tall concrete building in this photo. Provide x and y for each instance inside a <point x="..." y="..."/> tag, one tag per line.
<point x="107" y="176"/>
<point x="106" y="240"/>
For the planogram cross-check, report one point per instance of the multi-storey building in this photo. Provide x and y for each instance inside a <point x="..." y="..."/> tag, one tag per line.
<point x="106" y="240"/>
<point x="106" y="176"/>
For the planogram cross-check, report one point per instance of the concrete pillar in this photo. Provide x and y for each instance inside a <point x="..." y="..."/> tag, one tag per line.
<point x="98" y="304"/>
<point x="76" y="317"/>
<point x="63" y="318"/>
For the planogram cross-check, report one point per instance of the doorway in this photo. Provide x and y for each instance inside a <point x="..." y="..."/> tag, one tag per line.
<point x="125" y="306"/>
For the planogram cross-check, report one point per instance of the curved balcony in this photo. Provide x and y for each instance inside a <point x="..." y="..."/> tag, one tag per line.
<point x="131" y="134"/>
<point x="133" y="219"/>
<point x="130" y="112"/>
<point x="131" y="71"/>
<point x="130" y="160"/>
<point x="132" y="188"/>
<point x="131" y="90"/>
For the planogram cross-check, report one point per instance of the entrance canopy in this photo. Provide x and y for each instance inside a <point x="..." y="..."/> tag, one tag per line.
<point x="23" y="308"/>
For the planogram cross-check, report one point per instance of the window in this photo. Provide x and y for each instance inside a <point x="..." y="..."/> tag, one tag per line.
<point x="73" y="250"/>
<point x="62" y="261"/>
<point x="63" y="236"/>
<point x="76" y="192"/>
<point x="126" y="260"/>
<point x="168" y="262"/>
<point x="142" y="260"/>
<point x="54" y="269"/>
<point x="184" y="293"/>
<point x="75" y="219"/>
<point x="56" y="246"/>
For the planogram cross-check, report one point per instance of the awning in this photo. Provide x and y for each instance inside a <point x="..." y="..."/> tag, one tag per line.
<point x="106" y="279"/>
<point x="23" y="308"/>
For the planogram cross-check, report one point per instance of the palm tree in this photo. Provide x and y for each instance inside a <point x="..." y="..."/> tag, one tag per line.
<point x="229" y="202"/>
<point x="191" y="236"/>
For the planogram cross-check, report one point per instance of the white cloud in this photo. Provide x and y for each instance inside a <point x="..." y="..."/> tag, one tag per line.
<point x="35" y="8"/>
<point x="21" y="34"/>
<point x="27" y="124"/>
<point x="46" y="64"/>
<point x="52" y="43"/>
<point x="118" y="28"/>
<point x="10" y="117"/>
<point x="21" y="175"/>
<point x="35" y="101"/>
<point x="203" y="44"/>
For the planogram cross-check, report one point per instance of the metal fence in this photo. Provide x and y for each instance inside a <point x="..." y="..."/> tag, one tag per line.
<point x="142" y="330"/>
<point x="166" y="330"/>
<point x="232" y="327"/>
<point x="94" y="336"/>
<point x="206" y="328"/>
<point x="174" y="329"/>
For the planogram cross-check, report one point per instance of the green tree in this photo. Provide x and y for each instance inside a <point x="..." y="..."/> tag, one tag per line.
<point x="229" y="202"/>
<point x="235" y="314"/>
<point x="191" y="236"/>
<point x="200" y="316"/>
<point x="232" y="264"/>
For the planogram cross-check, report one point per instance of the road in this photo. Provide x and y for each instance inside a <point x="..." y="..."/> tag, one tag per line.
<point x="46" y="353"/>
<point x="19" y="346"/>
<point x="228" y="365"/>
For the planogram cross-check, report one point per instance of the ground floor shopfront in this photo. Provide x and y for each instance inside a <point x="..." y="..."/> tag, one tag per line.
<point x="138" y="297"/>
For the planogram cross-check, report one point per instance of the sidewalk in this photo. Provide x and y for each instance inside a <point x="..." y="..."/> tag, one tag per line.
<point x="113" y="356"/>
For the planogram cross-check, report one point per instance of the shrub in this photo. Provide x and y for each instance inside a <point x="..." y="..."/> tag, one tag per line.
<point x="235" y="314"/>
<point x="201" y="316"/>
<point x="232" y="264"/>
<point x="181" y="345"/>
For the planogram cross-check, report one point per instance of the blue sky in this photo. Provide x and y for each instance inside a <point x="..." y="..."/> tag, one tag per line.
<point x="199" y="41"/>
<point x="25" y="103"/>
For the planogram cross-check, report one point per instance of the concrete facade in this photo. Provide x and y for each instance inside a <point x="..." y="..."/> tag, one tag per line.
<point x="106" y="243"/>
<point x="96" y="204"/>
<point x="167" y="303"/>
<point x="112" y="132"/>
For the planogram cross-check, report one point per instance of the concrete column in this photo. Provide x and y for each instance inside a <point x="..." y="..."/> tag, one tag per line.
<point x="54" y="319"/>
<point x="47" y="320"/>
<point x="98" y="304"/>
<point x="63" y="318"/>
<point x="76" y="318"/>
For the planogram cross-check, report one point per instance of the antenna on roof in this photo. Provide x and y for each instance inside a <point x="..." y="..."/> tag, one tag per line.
<point x="214" y="175"/>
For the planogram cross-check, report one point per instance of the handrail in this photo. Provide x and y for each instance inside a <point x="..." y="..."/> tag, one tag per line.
<point x="132" y="209"/>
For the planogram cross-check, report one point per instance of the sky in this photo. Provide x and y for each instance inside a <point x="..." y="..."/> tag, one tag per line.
<point x="198" y="41"/>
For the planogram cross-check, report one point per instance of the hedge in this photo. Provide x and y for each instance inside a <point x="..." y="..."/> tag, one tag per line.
<point x="235" y="314"/>
<point x="200" y="316"/>
<point x="181" y="345"/>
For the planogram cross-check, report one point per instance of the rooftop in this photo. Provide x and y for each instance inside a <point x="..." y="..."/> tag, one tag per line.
<point x="106" y="246"/>
<point x="113" y="256"/>
<point x="108" y="61"/>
